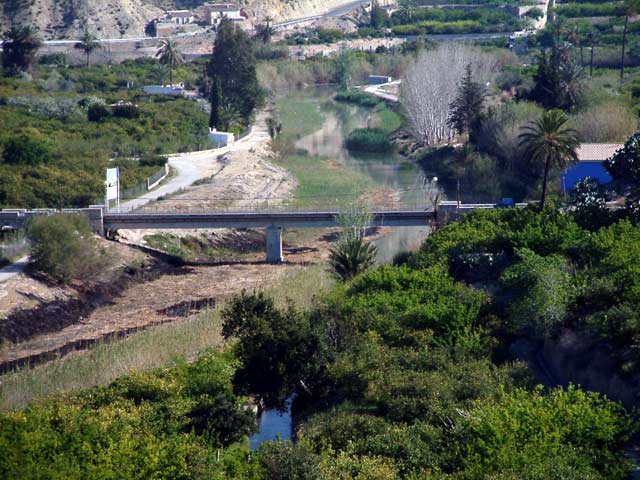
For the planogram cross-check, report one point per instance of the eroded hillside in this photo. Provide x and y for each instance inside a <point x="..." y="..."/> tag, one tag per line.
<point x="59" y="19"/>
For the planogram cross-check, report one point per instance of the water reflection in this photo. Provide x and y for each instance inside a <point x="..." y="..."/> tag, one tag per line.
<point x="391" y="171"/>
<point x="272" y="425"/>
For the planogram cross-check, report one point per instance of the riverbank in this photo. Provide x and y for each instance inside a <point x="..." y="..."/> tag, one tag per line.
<point x="182" y="297"/>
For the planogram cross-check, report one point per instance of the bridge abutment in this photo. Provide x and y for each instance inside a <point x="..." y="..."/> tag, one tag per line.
<point x="274" y="244"/>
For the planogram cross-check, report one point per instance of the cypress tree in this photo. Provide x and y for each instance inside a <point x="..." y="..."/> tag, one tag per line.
<point x="216" y="102"/>
<point x="466" y="111"/>
<point x="234" y="64"/>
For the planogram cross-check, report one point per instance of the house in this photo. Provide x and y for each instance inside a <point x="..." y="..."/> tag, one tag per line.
<point x="176" y="90"/>
<point x="180" y="17"/>
<point x="591" y="158"/>
<point x="223" y="139"/>
<point x="215" y="12"/>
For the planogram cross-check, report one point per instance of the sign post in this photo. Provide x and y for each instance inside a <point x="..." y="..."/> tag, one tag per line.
<point x="113" y="186"/>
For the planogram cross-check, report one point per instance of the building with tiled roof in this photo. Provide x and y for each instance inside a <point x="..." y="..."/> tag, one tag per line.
<point x="591" y="158"/>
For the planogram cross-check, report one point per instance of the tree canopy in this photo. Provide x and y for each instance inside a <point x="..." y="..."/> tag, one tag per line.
<point x="234" y="64"/>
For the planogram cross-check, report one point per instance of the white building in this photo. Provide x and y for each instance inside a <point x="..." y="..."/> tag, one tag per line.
<point x="180" y="17"/>
<point x="215" y="12"/>
<point x="174" y="90"/>
<point x="223" y="139"/>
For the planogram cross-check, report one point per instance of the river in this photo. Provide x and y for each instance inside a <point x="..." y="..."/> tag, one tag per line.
<point x="391" y="171"/>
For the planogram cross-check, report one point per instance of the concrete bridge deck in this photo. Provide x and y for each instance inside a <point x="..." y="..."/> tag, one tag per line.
<point x="274" y="220"/>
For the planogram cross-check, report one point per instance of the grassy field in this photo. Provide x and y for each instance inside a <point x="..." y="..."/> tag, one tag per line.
<point x="152" y="348"/>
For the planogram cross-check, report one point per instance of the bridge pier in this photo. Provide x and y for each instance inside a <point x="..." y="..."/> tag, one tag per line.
<point x="274" y="244"/>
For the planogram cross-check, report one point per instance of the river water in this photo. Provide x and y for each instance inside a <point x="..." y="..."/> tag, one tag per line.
<point x="388" y="170"/>
<point x="391" y="171"/>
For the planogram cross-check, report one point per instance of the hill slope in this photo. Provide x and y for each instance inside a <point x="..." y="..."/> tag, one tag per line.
<point x="58" y="19"/>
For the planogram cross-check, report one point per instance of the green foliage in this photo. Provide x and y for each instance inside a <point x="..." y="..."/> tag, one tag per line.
<point x="24" y="149"/>
<point x="551" y="142"/>
<point x="467" y="110"/>
<point x="78" y="151"/>
<point x="286" y="461"/>
<point x="558" y="81"/>
<point x="152" y="425"/>
<point x="234" y="64"/>
<point x="373" y="140"/>
<point x="542" y="291"/>
<point x="277" y="349"/>
<point x="98" y="112"/>
<point x="351" y="257"/>
<point x="588" y="197"/>
<point x="522" y="433"/>
<point x="624" y="167"/>
<point x="63" y="247"/>
<point x="357" y="97"/>
<point x="590" y="10"/>
<point x="19" y="48"/>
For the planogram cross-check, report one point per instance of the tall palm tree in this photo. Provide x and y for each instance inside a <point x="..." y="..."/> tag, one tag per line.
<point x="88" y="43"/>
<point x="266" y="30"/>
<point x="550" y="141"/>
<point x="169" y="55"/>
<point x="574" y="36"/>
<point x="593" y="37"/>
<point x="19" y="48"/>
<point x="631" y="8"/>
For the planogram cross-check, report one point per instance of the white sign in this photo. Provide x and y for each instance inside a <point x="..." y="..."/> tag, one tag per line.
<point x="113" y="184"/>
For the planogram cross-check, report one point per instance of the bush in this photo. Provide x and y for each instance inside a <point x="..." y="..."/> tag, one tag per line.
<point x="126" y="110"/>
<point x="97" y="112"/>
<point x="606" y="122"/>
<point x="369" y="140"/>
<point x="357" y="97"/>
<point x="63" y="247"/>
<point x="25" y="150"/>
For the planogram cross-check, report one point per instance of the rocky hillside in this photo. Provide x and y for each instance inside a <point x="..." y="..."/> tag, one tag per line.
<point x="59" y="19"/>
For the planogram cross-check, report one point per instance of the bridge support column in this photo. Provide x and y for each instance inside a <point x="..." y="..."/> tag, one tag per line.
<point x="96" y="219"/>
<point x="274" y="244"/>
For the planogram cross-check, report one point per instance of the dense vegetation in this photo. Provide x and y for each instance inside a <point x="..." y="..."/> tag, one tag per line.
<point x="58" y="135"/>
<point x="402" y="372"/>
<point x="369" y="140"/>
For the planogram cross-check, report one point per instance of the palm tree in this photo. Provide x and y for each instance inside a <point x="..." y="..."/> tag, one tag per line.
<point x="574" y="36"/>
<point x="351" y="257"/>
<point x="266" y="30"/>
<point x="631" y="8"/>
<point x="593" y="37"/>
<point x="169" y="55"/>
<point x="551" y="141"/>
<point x="19" y="48"/>
<point x="405" y="11"/>
<point x="88" y="43"/>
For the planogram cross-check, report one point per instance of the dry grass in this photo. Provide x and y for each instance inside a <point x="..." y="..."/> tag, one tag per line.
<point x="152" y="348"/>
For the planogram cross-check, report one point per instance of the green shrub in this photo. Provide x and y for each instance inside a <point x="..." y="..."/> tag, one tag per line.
<point x="25" y="150"/>
<point x="369" y="140"/>
<point x="63" y="247"/>
<point x="357" y="97"/>
<point x="98" y="112"/>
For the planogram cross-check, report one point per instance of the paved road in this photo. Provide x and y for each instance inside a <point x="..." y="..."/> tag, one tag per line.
<point x="11" y="270"/>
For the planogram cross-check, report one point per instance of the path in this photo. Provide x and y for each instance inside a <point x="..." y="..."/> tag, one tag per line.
<point x="194" y="166"/>
<point x="15" y="268"/>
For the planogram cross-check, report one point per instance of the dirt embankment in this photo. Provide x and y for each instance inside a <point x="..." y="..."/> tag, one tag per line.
<point x="39" y="321"/>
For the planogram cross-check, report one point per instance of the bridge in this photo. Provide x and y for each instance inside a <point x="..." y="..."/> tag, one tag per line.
<point x="273" y="221"/>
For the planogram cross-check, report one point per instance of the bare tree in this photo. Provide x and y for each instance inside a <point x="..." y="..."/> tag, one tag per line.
<point x="430" y="87"/>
